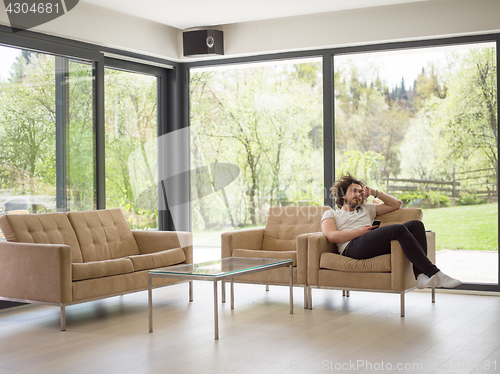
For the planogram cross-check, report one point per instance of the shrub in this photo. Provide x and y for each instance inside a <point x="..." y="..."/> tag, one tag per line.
<point x="424" y="198"/>
<point x="470" y="198"/>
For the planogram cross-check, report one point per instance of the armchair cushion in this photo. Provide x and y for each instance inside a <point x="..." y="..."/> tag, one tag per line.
<point x="284" y="224"/>
<point x="333" y="261"/>
<point x="400" y="216"/>
<point x="279" y="255"/>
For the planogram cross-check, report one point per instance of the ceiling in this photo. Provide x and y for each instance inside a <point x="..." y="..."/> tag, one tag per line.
<point x="202" y="13"/>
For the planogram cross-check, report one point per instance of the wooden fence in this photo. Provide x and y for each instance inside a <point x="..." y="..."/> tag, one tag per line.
<point x="483" y="182"/>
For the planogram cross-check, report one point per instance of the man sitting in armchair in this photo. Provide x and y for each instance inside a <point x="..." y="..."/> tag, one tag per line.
<point x="350" y="227"/>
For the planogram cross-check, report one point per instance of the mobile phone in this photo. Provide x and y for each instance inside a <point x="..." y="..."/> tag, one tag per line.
<point x="376" y="223"/>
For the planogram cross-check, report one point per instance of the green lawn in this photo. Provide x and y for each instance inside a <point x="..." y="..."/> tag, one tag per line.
<point x="464" y="227"/>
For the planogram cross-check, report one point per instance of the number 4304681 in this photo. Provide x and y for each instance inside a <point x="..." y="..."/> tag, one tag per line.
<point x="25" y="8"/>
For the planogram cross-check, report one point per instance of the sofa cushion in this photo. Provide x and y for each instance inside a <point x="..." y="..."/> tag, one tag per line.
<point x="257" y="253"/>
<point x="103" y="234"/>
<point x="284" y="224"/>
<point x="45" y="228"/>
<point x="97" y="269"/>
<point x="333" y="261"/>
<point x="158" y="259"/>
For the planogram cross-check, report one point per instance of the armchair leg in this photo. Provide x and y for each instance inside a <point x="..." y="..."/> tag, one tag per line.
<point x="63" y="318"/>
<point x="309" y="297"/>
<point x="306" y="297"/>
<point x="402" y="304"/>
<point x="433" y="294"/>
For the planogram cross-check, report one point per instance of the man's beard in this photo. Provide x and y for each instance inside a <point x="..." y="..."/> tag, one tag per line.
<point x="355" y="203"/>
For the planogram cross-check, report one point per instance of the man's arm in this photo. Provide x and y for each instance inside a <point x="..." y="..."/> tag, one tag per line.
<point x="329" y="229"/>
<point x="390" y="202"/>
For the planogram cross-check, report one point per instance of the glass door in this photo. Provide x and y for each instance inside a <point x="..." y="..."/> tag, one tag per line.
<point x="258" y="128"/>
<point x="422" y="125"/>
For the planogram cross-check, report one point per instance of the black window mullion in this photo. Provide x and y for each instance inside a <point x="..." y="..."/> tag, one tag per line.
<point x="328" y="127"/>
<point x="99" y="133"/>
<point x="62" y="107"/>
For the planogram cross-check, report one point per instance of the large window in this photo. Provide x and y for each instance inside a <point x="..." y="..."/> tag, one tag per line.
<point x="80" y="154"/>
<point x="421" y="124"/>
<point x="256" y="142"/>
<point x="46" y="132"/>
<point x="131" y="147"/>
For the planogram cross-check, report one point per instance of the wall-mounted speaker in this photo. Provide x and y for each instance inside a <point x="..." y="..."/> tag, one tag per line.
<point x="203" y="42"/>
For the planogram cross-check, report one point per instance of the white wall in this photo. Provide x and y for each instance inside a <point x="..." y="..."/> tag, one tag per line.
<point x="98" y="25"/>
<point x="413" y="21"/>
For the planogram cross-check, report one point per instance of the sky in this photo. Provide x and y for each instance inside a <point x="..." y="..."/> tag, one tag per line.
<point x="407" y="64"/>
<point x="7" y="57"/>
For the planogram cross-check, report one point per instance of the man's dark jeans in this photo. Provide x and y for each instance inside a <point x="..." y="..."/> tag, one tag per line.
<point x="411" y="236"/>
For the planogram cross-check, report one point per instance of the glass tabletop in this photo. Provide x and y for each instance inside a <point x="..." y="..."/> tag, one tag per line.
<point x="225" y="266"/>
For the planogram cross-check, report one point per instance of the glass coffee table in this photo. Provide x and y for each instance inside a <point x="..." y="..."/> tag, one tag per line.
<point x="224" y="269"/>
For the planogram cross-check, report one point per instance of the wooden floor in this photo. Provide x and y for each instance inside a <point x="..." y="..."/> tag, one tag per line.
<point x="363" y="333"/>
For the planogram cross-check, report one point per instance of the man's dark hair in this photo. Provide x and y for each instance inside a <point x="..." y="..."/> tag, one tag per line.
<point x="340" y="187"/>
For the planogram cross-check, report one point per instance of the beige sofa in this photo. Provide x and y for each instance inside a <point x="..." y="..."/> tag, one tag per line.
<point x="390" y="273"/>
<point x="68" y="258"/>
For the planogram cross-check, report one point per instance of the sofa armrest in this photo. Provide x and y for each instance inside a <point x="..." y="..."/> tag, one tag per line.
<point x="241" y="239"/>
<point x="38" y="272"/>
<point x="317" y="244"/>
<point x="301" y="247"/>
<point x="431" y="246"/>
<point x="402" y="277"/>
<point x="150" y="241"/>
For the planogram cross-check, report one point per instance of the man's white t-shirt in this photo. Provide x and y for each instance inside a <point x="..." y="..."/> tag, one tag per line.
<point x="348" y="221"/>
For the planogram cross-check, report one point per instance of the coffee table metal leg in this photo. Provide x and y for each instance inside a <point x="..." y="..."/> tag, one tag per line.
<point x="216" y="312"/>
<point x="190" y="290"/>
<point x="150" y="304"/>
<point x="232" y="293"/>
<point x="291" y="289"/>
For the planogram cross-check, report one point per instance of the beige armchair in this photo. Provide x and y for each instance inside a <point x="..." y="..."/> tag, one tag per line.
<point x="392" y="273"/>
<point x="284" y="237"/>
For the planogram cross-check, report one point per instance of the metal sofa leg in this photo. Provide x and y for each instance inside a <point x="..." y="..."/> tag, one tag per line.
<point x="433" y="294"/>
<point x="63" y="318"/>
<point x="402" y="304"/>
<point x="267" y="287"/>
